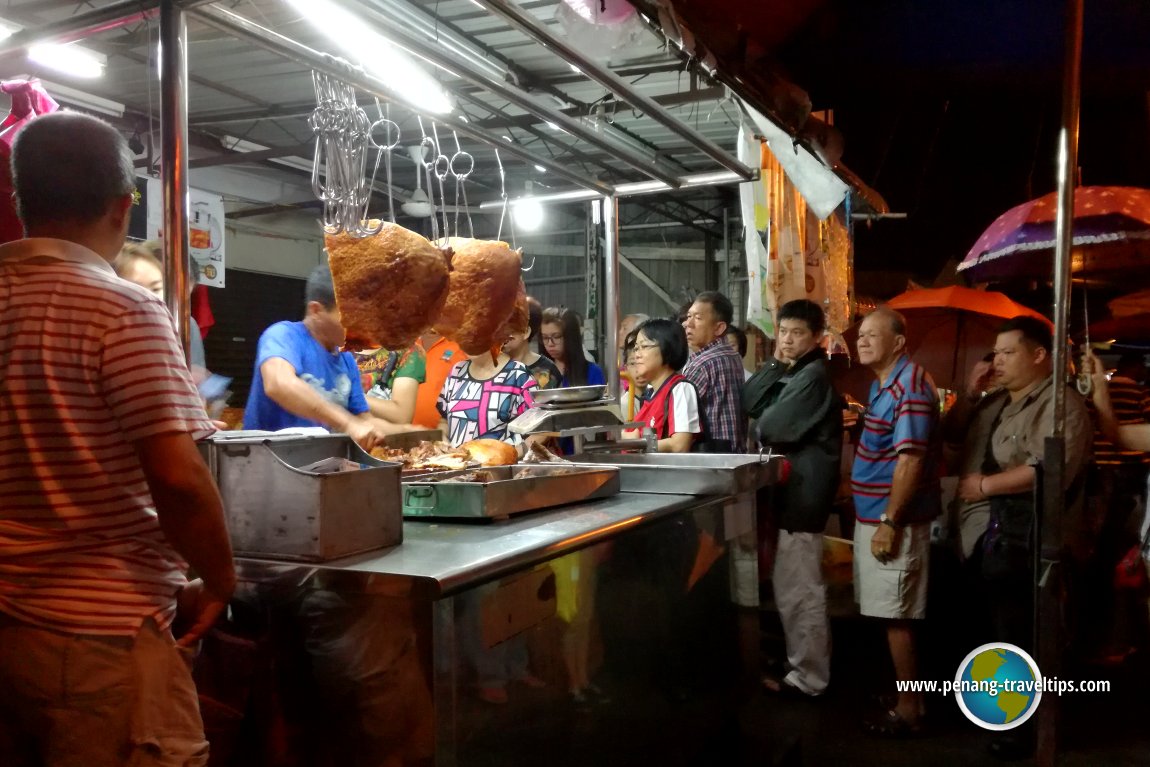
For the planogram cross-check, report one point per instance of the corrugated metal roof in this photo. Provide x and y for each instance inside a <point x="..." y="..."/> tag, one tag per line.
<point x="238" y="89"/>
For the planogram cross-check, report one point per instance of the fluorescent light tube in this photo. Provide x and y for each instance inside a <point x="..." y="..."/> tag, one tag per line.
<point x="376" y="54"/>
<point x="68" y="59"/>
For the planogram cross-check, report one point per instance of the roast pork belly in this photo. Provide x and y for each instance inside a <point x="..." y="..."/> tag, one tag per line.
<point x="485" y="281"/>
<point x="390" y="287"/>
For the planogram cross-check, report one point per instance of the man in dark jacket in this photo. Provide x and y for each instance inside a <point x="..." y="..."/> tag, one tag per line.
<point x="797" y="412"/>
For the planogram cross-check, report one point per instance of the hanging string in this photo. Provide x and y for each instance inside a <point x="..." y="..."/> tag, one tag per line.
<point x="442" y="168"/>
<point x="385" y="117"/>
<point x="427" y="143"/>
<point x="457" y="163"/>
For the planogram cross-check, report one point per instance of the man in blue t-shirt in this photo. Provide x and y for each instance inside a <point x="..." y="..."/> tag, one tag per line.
<point x="303" y="379"/>
<point x="895" y="485"/>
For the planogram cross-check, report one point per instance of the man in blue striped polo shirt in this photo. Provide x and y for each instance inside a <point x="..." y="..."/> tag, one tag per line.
<point x="894" y="481"/>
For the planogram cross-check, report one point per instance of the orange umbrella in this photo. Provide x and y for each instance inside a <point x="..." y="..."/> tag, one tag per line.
<point x="989" y="303"/>
<point x="949" y="329"/>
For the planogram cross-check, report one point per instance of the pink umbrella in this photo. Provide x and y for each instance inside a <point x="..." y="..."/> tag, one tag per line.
<point x="1111" y="234"/>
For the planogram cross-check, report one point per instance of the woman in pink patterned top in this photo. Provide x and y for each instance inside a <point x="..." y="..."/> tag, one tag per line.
<point x="481" y="396"/>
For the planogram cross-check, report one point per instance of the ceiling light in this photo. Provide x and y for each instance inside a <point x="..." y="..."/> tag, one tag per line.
<point x="553" y="126"/>
<point x="527" y="214"/>
<point x="540" y="168"/>
<point x="575" y="69"/>
<point x="639" y="187"/>
<point x="507" y="138"/>
<point x="68" y="59"/>
<point x="376" y="54"/>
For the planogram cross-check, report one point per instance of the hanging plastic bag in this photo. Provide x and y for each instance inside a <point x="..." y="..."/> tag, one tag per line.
<point x="29" y="101"/>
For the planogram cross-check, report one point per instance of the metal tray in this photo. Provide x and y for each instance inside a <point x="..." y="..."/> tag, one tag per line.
<point x="571" y="394"/>
<point x="434" y="495"/>
<point x="688" y="473"/>
<point x="276" y="508"/>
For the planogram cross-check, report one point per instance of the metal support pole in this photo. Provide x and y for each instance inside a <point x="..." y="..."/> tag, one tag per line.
<point x="709" y="282"/>
<point x="611" y="293"/>
<point x="173" y="61"/>
<point x="725" y="283"/>
<point x="1049" y="536"/>
<point x="1064" y="219"/>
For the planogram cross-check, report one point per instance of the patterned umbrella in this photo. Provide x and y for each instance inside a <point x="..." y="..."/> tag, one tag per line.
<point x="1111" y="234"/>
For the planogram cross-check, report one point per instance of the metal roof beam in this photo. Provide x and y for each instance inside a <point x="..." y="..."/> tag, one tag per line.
<point x="81" y="25"/>
<point x="534" y="29"/>
<point x="267" y="210"/>
<point x="666" y="100"/>
<point x="245" y="29"/>
<point x="239" y="158"/>
<point x="440" y="57"/>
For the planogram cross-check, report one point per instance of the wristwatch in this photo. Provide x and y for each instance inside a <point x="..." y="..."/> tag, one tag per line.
<point x="885" y="520"/>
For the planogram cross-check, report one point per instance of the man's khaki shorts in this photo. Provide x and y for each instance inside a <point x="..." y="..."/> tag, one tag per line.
<point x="96" y="701"/>
<point x="895" y="589"/>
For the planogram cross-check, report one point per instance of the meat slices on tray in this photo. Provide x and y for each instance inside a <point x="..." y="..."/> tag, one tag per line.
<point x="426" y="456"/>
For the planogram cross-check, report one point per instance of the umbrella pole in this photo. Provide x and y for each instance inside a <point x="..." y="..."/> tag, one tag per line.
<point x="1048" y="533"/>
<point x="958" y="344"/>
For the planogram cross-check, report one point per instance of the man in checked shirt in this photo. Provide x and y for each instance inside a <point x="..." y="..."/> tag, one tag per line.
<point x="716" y="370"/>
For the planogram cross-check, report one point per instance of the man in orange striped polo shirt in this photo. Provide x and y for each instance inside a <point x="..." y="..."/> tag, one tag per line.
<point x="103" y="494"/>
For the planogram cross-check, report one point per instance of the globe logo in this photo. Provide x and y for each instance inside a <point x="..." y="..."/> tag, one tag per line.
<point x="998" y="686"/>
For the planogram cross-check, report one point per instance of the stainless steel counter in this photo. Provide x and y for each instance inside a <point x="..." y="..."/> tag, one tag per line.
<point x="631" y="590"/>
<point x="437" y="559"/>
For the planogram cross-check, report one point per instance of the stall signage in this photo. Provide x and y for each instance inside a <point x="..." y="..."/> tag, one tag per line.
<point x="205" y="231"/>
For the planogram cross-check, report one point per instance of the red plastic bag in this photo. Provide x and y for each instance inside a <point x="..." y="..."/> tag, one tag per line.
<point x="29" y="101"/>
<point x="1130" y="572"/>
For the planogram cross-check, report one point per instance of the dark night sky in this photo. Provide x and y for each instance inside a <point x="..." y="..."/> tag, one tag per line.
<point x="951" y="109"/>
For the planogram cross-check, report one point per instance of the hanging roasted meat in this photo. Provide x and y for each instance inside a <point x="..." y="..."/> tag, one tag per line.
<point x="520" y="320"/>
<point x="390" y="287"/>
<point x="485" y="281"/>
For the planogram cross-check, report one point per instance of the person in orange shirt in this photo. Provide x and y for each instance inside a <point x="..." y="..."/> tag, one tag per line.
<point x="441" y="357"/>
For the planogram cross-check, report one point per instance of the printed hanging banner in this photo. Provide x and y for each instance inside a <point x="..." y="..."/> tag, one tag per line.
<point x="205" y="231"/>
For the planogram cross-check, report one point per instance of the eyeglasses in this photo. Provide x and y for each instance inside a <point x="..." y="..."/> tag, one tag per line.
<point x="643" y="347"/>
<point x="552" y="339"/>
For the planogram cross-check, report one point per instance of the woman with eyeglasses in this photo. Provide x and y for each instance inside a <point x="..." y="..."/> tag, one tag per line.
<point x="672" y="411"/>
<point x="562" y="341"/>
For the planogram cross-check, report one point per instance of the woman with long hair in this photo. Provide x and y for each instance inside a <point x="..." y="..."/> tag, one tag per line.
<point x="561" y="340"/>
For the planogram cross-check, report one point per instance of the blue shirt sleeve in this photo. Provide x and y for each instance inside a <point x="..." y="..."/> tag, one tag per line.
<point x="356" y="402"/>
<point x="595" y="375"/>
<point x="915" y="415"/>
<point x="281" y="340"/>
